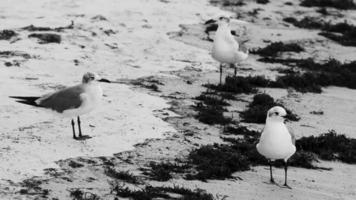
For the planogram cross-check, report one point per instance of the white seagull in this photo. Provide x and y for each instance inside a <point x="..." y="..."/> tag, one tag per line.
<point x="276" y="141"/>
<point x="71" y="101"/>
<point x="226" y="49"/>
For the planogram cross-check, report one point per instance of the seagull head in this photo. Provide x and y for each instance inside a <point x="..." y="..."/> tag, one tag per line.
<point x="276" y="113"/>
<point x="223" y="21"/>
<point x="89" y="77"/>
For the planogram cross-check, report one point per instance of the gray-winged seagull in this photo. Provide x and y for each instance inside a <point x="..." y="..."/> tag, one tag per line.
<point x="276" y="141"/>
<point x="71" y="101"/>
<point x="226" y="49"/>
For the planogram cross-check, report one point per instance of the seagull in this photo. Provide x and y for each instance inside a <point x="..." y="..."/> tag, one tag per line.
<point x="71" y="101"/>
<point x="226" y="49"/>
<point x="276" y="141"/>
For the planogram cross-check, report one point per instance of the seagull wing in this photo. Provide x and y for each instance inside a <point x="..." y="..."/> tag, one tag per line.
<point x="292" y="135"/>
<point x="231" y="40"/>
<point x="68" y="98"/>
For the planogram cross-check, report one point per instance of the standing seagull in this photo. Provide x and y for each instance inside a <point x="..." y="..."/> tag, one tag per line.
<point x="276" y="141"/>
<point x="225" y="48"/>
<point x="71" y="101"/>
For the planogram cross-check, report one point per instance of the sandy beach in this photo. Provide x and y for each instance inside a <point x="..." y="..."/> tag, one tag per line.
<point x="158" y="57"/>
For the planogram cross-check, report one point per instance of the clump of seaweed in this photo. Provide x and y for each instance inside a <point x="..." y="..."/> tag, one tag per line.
<point x="41" y="28"/>
<point x="45" y="38"/>
<point x="78" y="194"/>
<point x="121" y="175"/>
<point x="330" y="146"/>
<point x="331" y="72"/>
<point x="275" y="48"/>
<point x="340" y="4"/>
<point x="306" y="22"/>
<point x="7" y="34"/>
<point x="228" y="2"/>
<point x="150" y="192"/>
<point x="163" y="171"/>
<point x="257" y="109"/>
<point x="343" y="32"/>
<point x="212" y="99"/>
<point x="211" y="109"/>
<point x="239" y="84"/>
<point x="262" y="1"/>
<point x="216" y="162"/>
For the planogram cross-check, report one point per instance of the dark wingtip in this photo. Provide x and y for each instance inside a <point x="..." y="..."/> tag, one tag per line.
<point x="26" y="100"/>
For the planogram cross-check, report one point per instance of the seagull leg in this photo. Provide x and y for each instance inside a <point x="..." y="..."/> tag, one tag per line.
<point x="221" y="70"/>
<point x="285" y="174"/>
<point x="270" y="171"/>
<point x="235" y="70"/>
<point x="79" y="127"/>
<point x="75" y="137"/>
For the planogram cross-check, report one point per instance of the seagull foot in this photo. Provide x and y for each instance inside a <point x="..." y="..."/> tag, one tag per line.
<point x="287" y="186"/>
<point x="83" y="137"/>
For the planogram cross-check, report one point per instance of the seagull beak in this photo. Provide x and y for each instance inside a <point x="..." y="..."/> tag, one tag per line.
<point x="104" y="80"/>
<point x="285" y="117"/>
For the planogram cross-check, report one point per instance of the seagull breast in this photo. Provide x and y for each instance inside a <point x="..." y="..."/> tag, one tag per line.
<point x="276" y="142"/>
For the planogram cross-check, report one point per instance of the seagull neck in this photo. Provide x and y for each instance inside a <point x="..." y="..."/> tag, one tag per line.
<point x="223" y="28"/>
<point x="273" y="120"/>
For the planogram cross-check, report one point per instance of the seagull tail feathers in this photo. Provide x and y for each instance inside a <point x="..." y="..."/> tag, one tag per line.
<point x="26" y="100"/>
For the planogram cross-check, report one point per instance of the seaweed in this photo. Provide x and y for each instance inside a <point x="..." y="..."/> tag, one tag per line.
<point x="150" y="192"/>
<point x="275" y="48"/>
<point x="121" y="175"/>
<point x="33" y="28"/>
<point x="257" y="109"/>
<point x="162" y="171"/>
<point x="340" y="4"/>
<point x="330" y="146"/>
<point x="45" y="38"/>
<point x="7" y="34"/>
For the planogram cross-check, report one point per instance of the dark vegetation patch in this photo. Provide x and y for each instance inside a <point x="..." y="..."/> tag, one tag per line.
<point x="78" y="194"/>
<point x="340" y="4"/>
<point x="212" y="99"/>
<point x="262" y="1"/>
<point x="32" y="187"/>
<point x="317" y="75"/>
<point x="45" y="38"/>
<point x="7" y="34"/>
<point x="237" y="85"/>
<point x="257" y="110"/>
<point x="306" y="22"/>
<point x="74" y="164"/>
<point x="150" y="192"/>
<point x="8" y="54"/>
<point x="121" y="175"/>
<point x="163" y="171"/>
<point x="317" y="112"/>
<point x="228" y="2"/>
<point x="149" y="83"/>
<point x="275" y="48"/>
<point x="210" y="109"/>
<point x="302" y="82"/>
<point x="41" y="28"/>
<point x="216" y="162"/>
<point x="323" y="11"/>
<point x="343" y="32"/>
<point x="330" y="146"/>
